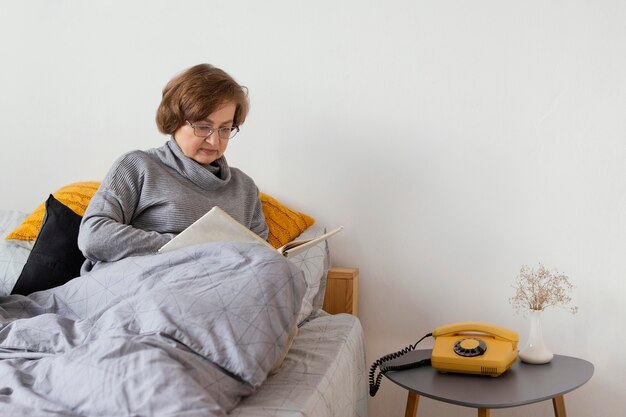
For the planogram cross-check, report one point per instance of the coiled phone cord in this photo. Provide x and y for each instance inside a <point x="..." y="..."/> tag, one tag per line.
<point x="375" y="384"/>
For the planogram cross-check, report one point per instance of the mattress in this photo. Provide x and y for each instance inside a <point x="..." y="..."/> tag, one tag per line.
<point x="323" y="375"/>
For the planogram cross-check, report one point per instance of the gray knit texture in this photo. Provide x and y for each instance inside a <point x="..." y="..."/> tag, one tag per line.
<point x="148" y="197"/>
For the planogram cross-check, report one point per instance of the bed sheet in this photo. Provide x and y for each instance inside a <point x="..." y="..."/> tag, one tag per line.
<point x="324" y="374"/>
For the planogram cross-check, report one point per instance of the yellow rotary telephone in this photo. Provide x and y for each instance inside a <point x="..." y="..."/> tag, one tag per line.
<point x="474" y="348"/>
<point x="467" y="347"/>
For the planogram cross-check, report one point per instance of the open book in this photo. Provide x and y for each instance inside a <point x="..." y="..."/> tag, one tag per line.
<point x="219" y="226"/>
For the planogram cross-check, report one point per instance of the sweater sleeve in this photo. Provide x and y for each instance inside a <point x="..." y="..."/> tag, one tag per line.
<point x="259" y="225"/>
<point x="106" y="233"/>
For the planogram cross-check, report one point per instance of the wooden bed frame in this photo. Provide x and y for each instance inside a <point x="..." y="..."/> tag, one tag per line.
<point x="342" y="285"/>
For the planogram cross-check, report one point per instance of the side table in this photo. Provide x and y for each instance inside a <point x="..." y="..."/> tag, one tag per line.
<point x="521" y="384"/>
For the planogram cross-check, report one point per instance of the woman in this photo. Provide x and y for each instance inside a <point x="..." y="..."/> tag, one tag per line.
<point x="149" y="196"/>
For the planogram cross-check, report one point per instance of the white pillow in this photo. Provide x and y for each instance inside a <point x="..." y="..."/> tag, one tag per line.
<point x="12" y="256"/>
<point x="314" y="263"/>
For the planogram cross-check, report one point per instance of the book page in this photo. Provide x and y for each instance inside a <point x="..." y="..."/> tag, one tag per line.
<point x="214" y="226"/>
<point x="297" y="246"/>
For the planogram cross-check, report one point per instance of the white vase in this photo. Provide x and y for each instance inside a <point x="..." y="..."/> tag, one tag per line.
<point x="535" y="351"/>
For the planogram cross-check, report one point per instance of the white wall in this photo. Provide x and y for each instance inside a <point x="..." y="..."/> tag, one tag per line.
<point x="455" y="141"/>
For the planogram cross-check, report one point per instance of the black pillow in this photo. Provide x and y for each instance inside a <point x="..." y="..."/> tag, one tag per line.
<point x="55" y="257"/>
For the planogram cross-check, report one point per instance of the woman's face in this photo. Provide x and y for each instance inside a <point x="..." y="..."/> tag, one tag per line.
<point x="206" y="150"/>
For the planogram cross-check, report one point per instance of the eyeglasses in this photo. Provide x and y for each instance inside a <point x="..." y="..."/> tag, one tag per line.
<point x="204" y="131"/>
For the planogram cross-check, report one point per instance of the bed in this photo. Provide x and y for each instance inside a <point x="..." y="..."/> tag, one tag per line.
<point x="133" y="339"/>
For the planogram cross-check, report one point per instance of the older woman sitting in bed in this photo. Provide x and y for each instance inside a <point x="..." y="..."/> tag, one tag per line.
<point x="216" y="318"/>
<point x="149" y="196"/>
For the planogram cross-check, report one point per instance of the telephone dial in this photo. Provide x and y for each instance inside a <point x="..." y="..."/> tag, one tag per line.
<point x="468" y="347"/>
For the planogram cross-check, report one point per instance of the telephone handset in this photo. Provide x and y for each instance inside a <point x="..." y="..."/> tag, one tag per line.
<point x="467" y="347"/>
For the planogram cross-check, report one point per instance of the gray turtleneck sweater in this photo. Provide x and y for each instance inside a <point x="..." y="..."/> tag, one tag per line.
<point x="148" y="197"/>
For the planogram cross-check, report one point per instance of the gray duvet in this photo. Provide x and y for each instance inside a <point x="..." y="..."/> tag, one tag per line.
<point x="187" y="333"/>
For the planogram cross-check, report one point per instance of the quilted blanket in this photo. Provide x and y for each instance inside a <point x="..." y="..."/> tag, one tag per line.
<point x="187" y="333"/>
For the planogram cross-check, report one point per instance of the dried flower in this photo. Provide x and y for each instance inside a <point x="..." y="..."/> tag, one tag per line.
<point x="541" y="288"/>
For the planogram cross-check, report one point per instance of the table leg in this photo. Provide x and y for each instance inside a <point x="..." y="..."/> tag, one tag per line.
<point x="559" y="406"/>
<point x="411" y="404"/>
<point x="484" y="412"/>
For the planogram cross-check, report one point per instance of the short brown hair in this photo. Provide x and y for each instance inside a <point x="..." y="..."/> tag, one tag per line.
<point x="197" y="92"/>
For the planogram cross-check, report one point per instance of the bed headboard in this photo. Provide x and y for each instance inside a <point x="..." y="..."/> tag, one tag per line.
<point x="342" y="295"/>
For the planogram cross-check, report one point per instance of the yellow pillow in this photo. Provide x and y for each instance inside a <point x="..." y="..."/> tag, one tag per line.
<point x="284" y="224"/>
<point x="76" y="196"/>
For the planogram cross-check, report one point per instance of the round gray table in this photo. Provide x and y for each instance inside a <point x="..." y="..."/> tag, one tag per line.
<point x="521" y="384"/>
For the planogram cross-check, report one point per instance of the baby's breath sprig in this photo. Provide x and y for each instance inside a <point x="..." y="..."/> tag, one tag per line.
<point x="541" y="288"/>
